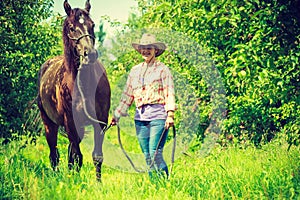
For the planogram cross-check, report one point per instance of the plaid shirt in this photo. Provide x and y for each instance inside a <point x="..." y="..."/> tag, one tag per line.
<point x="147" y="85"/>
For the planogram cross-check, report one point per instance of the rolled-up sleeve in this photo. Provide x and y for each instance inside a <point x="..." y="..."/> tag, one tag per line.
<point x="168" y="89"/>
<point x="127" y="98"/>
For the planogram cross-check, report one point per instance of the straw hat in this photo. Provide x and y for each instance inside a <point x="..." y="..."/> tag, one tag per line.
<point x="149" y="39"/>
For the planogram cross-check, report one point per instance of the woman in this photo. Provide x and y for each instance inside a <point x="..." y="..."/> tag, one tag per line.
<point x="150" y="85"/>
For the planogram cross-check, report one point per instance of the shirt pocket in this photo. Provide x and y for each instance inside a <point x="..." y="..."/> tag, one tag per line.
<point x="154" y="91"/>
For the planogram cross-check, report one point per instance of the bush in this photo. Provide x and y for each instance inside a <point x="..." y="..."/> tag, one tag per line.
<point x="254" y="45"/>
<point x="28" y="39"/>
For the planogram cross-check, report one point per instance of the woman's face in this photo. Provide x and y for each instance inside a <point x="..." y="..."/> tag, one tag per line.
<point x="148" y="52"/>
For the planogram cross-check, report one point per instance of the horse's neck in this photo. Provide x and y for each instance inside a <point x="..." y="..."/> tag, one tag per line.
<point x="71" y="64"/>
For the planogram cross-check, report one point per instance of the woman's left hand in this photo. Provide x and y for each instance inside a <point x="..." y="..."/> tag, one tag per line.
<point x="169" y="122"/>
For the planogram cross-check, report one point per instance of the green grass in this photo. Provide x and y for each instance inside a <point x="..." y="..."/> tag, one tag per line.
<point x="270" y="172"/>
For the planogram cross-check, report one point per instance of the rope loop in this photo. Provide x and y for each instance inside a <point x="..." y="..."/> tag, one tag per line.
<point x="152" y="163"/>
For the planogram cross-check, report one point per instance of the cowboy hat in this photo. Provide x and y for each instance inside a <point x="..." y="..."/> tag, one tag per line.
<point x="149" y="39"/>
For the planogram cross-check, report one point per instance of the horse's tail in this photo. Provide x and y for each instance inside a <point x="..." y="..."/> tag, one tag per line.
<point x="30" y="103"/>
<point x="32" y="123"/>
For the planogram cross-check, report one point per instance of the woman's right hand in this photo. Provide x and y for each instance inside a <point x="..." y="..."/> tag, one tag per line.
<point x="114" y="121"/>
<point x="169" y="122"/>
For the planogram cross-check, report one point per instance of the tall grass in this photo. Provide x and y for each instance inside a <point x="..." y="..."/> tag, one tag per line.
<point x="270" y="172"/>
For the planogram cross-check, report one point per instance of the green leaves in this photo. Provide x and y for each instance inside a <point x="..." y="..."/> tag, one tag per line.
<point x="28" y="40"/>
<point x="255" y="46"/>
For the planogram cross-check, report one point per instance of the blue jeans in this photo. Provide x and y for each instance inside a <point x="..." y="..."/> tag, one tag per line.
<point x="151" y="140"/>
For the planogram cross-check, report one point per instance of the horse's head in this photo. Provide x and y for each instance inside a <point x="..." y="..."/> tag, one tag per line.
<point x="79" y="33"/>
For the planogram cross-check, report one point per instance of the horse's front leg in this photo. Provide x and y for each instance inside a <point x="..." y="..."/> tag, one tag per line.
<point x="97" y="153"/>
<point x="74" y="156"/>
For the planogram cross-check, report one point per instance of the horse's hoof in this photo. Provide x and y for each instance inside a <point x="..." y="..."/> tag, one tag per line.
<point x="98" y="178"/>
<point x="56" y="169"/>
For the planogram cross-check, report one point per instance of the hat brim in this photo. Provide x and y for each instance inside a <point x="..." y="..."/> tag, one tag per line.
<point x="161" y="47"/>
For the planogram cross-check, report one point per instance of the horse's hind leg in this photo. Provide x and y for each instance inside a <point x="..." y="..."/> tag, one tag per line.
<point x="97" y="153"/>
<point x="51" y="130"/>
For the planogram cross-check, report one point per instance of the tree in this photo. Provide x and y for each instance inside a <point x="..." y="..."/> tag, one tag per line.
<point x="101" y="34"/>
<point x="254" y="45"/>
<point x="30" y="34"/>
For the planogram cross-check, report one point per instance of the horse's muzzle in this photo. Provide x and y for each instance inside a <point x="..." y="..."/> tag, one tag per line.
<point x="90" y="56"/>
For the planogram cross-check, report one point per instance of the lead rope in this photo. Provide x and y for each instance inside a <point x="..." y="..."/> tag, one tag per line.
<point x="152" y="163"/>
<point x="173" y="150"/>
<point x="84" y="103"/>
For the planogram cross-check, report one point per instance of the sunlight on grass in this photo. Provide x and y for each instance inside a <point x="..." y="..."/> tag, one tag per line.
<point x="269" y="172"/>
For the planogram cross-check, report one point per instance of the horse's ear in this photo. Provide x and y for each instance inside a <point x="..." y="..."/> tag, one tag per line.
<point x="87" y="5"/>
<point x="67" y="7"/>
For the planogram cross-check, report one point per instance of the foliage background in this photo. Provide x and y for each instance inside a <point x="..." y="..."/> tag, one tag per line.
<point x="253" y="44"/>
<point x="30" y="34"/>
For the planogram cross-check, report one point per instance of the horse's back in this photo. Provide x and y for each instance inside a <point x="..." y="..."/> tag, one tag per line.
<point x="54" y="63"/>
<point x="48" y="92"/>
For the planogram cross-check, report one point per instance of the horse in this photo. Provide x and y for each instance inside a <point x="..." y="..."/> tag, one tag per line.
<point x="72" y="101"/>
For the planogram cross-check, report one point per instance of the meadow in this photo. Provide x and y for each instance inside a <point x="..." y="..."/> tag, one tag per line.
<point x="232" y="172"/>
<point x="254" y="46"/>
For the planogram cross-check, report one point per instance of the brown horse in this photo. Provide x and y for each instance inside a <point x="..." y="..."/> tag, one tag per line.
<point x="73" y="101"/>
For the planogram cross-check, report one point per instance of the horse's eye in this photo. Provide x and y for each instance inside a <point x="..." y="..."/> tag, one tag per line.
<point x="72" y="29"/>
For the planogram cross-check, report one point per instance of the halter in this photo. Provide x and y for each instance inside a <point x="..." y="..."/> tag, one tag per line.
<point x="80" y="37"/>
<point x="77" y="41"/>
